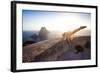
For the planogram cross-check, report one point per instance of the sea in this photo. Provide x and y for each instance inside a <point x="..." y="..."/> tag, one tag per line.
<point x="27" y="35"/>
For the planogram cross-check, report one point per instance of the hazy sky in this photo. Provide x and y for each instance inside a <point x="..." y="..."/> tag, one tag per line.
<point x="57" y="21"/>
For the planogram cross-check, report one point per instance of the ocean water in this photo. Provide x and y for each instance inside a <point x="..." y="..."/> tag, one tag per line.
<point x="34" y="35"/>
<point x="27" y="35"/>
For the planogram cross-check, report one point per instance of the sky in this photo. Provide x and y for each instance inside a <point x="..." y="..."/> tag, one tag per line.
<point x="54" y="21"/>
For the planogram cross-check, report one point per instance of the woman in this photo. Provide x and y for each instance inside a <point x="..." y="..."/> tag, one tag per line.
<point x="68" y="36"/>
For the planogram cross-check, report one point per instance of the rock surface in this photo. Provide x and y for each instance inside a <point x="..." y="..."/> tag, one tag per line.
<point x="56" y="50"/>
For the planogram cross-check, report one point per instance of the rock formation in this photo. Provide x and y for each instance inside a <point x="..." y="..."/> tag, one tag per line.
<point x="43" y="33"/>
